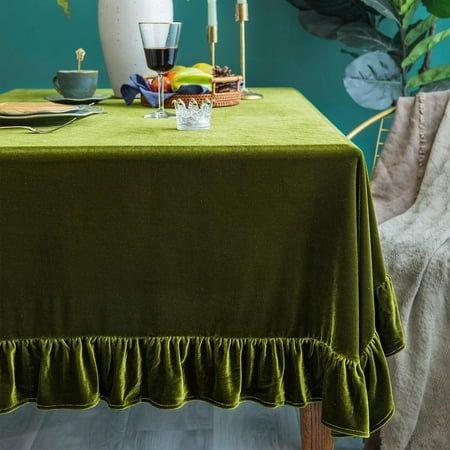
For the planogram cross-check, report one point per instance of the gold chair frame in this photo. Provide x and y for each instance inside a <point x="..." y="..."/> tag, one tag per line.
<point x="382" y="131"/>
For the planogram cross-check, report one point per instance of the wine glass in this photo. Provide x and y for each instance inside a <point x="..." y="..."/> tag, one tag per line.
<point x="160" y="42"/>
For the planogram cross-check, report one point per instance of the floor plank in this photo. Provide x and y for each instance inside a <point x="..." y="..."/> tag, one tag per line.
<point x="253" y="427"/>
<point x="197" y="426"/>
<point x="193" y="416"/>
<point x="18" y="430"/>
<point x="168" y="440"/>
<point x="94" y="429"/>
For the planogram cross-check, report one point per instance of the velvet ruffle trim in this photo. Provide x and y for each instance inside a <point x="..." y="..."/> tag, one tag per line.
<point x="170" y="371"/>
<point x="388" y="321"/>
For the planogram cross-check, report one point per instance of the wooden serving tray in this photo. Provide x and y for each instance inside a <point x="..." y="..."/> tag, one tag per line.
<point x="28" y="108"/>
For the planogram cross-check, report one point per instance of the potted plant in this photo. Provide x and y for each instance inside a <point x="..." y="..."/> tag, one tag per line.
<point x="384" y="66"/>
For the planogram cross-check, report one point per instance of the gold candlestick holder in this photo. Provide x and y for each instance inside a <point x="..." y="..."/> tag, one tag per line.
<point x="242" y="18"/>
<point x="212" y="39"/>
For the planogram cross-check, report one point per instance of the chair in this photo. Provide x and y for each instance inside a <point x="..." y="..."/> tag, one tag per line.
<point x="382" y="131"/>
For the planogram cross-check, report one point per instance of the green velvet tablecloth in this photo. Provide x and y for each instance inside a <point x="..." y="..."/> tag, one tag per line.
<point x="140" y="263"/>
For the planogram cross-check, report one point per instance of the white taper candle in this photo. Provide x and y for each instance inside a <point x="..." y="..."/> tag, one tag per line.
<point x="212" y="13"/>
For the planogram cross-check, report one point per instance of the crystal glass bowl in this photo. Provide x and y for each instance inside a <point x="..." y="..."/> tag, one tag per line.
<point x="194" y="116"/>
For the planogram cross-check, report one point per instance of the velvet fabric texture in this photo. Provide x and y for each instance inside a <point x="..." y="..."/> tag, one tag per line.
<point x="139" y="263"/>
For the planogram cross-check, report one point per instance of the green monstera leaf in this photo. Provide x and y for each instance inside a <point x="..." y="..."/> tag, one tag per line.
<point x="442" y="85"/>
<point x="425" y="46"/>
<point x="407" y="10"/>
<point x="320" y="25"/>
<point x="384" y="7"/>
<point x="430" y="76"/>
<point x="419" y="29"/>
<point x="374" y="80"/>
<point x="347" y="10"/>
<point x="439" y="8"/>
<point x="365" y="36"/>
<point x="324" y="18"/>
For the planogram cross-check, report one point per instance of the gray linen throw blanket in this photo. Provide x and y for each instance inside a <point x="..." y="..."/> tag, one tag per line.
<point x="411" y="188"/>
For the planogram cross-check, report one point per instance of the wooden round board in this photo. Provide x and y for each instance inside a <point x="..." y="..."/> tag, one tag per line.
<point x="27" y="108"/>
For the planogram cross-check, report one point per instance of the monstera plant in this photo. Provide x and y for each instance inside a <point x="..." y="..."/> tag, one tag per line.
<point x="384" y="65"/>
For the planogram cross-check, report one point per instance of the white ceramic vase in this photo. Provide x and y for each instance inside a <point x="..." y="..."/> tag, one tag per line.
<point x="120" y="38"/>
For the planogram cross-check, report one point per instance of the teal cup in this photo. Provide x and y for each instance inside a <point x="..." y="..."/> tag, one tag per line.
<point x="76" y="83"/>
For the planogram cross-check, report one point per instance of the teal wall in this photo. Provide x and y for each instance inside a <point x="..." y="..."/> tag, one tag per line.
<point x="36" y="39"/>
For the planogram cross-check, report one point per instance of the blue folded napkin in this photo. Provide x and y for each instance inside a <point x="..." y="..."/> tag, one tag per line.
<point x="137" y="85"/>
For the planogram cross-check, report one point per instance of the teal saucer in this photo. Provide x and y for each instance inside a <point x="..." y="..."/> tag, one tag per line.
<point x="77" y="101"/>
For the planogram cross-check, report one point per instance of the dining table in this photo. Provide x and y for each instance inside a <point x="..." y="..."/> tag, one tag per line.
<point x="139" y="263"/>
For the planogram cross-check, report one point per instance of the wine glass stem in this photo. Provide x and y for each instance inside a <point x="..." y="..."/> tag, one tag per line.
<point x="160" y="92"/>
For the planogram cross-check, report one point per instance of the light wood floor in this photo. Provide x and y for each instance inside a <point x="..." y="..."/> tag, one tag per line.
<point x="197" y="426"/>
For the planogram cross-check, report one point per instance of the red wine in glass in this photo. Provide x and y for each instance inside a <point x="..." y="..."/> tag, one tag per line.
<point x="160" y="41"/>
<point x="161" y="60"/>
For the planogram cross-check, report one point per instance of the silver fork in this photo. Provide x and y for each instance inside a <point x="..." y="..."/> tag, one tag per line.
<point x="36" y="131"/>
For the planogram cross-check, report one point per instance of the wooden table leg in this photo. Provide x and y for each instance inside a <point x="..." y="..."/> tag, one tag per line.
<point x="374" y="442"/>
<point x="315" y="435"/>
